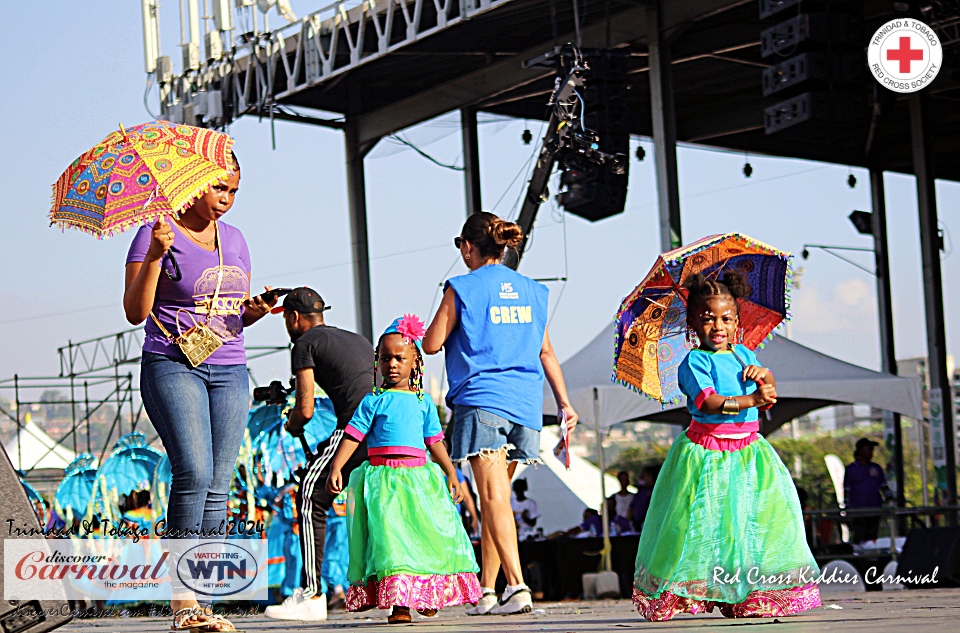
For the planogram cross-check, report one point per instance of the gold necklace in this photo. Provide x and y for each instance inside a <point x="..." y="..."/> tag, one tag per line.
<point x="194" y="235"/>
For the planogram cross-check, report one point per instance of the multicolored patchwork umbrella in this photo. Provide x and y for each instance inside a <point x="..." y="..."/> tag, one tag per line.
<point x="138" y="174"/>
<point x="652" y="321"/>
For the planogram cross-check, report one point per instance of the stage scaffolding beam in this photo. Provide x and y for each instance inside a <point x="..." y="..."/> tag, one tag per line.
<point x="357" y="198"/>
<point x="663" y="114"/>
<point x="471" y="159"/>
<point x="940" y="385"/>
<point x="888" y="354"/>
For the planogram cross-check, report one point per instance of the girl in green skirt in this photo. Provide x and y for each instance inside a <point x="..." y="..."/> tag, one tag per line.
<point x="408" y="548"/>
<point x="724" y="528"/>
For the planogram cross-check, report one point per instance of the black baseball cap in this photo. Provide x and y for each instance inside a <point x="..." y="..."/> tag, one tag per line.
<point x="866" y="442"/>
<point x="303" y="300"/>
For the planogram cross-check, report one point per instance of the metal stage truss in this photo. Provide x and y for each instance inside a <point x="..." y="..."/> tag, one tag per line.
<point x="95" y="375"/>
<point x="694" y="74"/>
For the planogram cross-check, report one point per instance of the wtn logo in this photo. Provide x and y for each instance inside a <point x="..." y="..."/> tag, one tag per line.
<point x="203" y="569"/>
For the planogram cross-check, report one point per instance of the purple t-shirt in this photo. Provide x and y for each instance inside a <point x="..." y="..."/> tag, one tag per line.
<point x="863" y="485"/>
<point x="192" y="293"/>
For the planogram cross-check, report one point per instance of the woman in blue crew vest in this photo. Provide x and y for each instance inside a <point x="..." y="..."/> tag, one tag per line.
<point x="493" y="323"/>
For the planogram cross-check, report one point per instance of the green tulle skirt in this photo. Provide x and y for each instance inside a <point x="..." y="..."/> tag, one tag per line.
<point x="407" y="543"/>
<point x="721" y="525"/>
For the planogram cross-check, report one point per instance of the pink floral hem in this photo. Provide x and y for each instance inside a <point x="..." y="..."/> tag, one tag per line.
<point x="766" y="603"/>
<point x="415" y="592"/>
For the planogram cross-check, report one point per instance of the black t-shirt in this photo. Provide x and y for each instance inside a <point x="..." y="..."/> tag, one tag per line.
<point x="342" y="365"/>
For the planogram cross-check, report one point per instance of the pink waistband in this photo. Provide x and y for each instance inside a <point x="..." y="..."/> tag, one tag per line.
<point x="410" y="451"/>
<point x="714" y="443"/>
<point x="398" y="462"/>
<point x="726" y="428"/>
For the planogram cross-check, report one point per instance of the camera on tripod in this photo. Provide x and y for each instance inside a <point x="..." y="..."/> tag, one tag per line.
<point x="274" y="393"/>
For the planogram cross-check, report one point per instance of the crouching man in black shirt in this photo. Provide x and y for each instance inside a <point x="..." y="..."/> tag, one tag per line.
<point x="341" y="363"/>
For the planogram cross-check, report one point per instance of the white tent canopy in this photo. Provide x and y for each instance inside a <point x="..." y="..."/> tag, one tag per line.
<point x="37" y="450"/>
<point x="562" y="494"/>
<point x="806" y="380"/>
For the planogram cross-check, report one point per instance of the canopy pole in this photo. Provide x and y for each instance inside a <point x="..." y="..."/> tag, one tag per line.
<point x="605" y="561"/>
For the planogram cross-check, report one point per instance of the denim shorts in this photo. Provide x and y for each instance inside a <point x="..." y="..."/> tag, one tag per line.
<point x="476" y="431"/>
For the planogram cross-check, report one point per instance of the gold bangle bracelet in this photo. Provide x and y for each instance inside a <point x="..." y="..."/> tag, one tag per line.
<point x="730" y="406"/>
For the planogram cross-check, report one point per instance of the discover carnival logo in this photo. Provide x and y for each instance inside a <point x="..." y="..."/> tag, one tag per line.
<point x="905" y="55"/>
<point x="125" y="570"/>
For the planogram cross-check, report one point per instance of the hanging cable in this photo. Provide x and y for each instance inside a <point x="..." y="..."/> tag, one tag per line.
<point x="523" y="171"/>
<point x="146" y="94"/>
<point x="576" y="22"/>
<point x="553" y="22"/>
<point x="399" y="139"/>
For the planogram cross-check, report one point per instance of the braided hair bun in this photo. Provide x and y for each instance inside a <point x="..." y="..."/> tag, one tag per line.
<point x="700" y="289"/>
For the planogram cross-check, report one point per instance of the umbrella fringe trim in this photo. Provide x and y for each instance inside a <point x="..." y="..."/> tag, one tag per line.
<point x="121" y="227"/>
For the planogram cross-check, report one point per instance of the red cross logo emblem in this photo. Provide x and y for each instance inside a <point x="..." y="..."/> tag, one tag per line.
<point x="904" y="54"/>
<point x="895" y="47"/>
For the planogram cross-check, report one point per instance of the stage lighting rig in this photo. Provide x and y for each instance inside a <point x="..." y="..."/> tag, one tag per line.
<point x="567" y="143"/>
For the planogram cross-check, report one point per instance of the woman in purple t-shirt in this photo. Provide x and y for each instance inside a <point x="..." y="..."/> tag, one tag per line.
<point x="194" y="269"/>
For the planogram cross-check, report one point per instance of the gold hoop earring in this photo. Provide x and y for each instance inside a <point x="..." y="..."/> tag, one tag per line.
<point x="467" y="256"/>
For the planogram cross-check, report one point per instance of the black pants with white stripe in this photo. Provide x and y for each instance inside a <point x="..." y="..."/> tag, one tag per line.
<point x="313" y="503"/>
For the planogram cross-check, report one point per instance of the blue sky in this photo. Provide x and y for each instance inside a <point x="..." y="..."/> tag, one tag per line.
<point x="68" y="84"/>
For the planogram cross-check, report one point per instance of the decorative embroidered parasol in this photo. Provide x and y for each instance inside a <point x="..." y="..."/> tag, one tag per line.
<point x="138" y="174"/>
<point x="652" y="321"/>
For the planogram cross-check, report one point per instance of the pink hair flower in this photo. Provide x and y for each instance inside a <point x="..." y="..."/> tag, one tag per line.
<point x="411" y="327"/>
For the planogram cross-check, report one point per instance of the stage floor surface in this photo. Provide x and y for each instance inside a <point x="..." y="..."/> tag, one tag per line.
<point x="875" y="612"/>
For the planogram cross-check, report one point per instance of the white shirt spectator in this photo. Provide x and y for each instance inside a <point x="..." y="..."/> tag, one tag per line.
<point x="622" y="504"/>
<point x="528" y="504"/>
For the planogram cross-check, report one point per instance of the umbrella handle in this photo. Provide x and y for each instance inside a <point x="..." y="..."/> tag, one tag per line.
<point x="306" y="446"/>
<point x="759" y="382"/>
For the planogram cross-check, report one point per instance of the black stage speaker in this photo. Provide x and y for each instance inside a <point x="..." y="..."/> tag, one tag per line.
<point x="23" y="616"/>
<point x="929" y="549"/>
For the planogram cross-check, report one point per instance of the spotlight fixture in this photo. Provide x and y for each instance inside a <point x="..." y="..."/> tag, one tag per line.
<point x="641" y="153"/>
<point x="851" y="181"/>
<point x="527" y="137"/>
<point x="747" y="170"/>
<point x="862" y="221"/>
<point x="805" y="254"/>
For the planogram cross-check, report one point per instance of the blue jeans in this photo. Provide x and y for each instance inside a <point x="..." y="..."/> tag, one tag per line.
<point x="477" y="432"/>
<point x="200" y="414"/>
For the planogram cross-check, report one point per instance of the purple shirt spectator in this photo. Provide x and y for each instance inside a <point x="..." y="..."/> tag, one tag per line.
<point x="178" y="301"/>
<point x="592" y="526"/>
<point x="863" y="485"/>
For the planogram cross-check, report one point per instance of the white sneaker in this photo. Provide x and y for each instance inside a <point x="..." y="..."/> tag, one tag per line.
<point x="520" y="601"/>
<point x="487" y="602"/>
<point x="296" y="607"/>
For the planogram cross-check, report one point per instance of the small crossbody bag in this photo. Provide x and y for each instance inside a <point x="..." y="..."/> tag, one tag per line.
<point x="198" y="342"/>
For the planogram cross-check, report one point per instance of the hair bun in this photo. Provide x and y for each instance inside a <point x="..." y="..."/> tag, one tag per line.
<point x="695" y="283"/>
<point x="737" y="283"/>
<point x="506" y="233"/>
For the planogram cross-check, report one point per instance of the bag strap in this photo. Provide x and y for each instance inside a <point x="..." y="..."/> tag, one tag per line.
<point x="216" y="292"/>
<point x="160" y="325"/>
